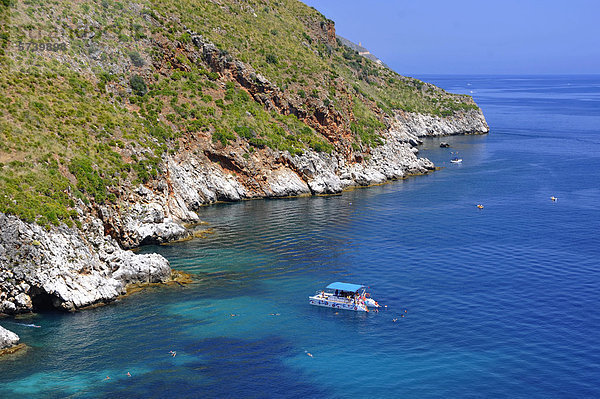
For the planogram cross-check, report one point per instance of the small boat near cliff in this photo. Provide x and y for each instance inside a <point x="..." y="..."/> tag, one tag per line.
<point x="344" y="296"/>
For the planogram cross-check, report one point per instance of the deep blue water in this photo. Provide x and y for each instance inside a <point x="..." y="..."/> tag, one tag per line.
<point x="501" y="302"/>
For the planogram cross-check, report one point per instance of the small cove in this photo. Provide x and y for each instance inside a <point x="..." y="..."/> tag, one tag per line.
<point x="499" y="301"/>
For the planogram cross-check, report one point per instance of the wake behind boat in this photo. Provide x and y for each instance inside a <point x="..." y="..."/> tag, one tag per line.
<point x="344" y="296"/>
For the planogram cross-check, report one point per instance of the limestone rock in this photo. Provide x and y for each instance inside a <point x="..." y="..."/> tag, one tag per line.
<point x="465" y="122"/>
<point x="67" y="268"/>
<point x="7" y="338"/>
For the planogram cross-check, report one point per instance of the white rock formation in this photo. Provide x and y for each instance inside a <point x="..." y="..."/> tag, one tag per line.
<point x="7" y="338"/>
<point x="67" y="268"/>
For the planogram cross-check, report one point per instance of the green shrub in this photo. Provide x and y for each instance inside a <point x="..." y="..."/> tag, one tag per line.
<point x="245" y="132"/>
<point x="271" y="59"/>
<point x="88" y="179"/>
<point x="223" y="136"/>
<point x="136" y="59"/>
<point x="138" y="85"/>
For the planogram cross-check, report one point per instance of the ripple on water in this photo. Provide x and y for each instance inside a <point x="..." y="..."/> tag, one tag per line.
<point x="497" y="302"/>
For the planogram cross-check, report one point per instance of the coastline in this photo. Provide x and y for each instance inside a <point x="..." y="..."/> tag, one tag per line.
<point x="72" y="269"/>
<point x="9" y="342"/>
<point x="421" y="244"/>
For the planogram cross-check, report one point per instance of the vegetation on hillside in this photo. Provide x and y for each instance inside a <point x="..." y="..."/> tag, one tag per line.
<point x="93" y="95"/>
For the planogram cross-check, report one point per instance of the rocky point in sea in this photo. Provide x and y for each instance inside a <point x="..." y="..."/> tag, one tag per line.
<point x="67" y="268"/>
<point x="8" y="339"/>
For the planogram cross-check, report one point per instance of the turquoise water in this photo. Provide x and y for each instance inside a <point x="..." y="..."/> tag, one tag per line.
<point x="500" y="302"/>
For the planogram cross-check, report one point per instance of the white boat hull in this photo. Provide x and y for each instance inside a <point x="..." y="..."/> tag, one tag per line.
<point x="337" y="304"/>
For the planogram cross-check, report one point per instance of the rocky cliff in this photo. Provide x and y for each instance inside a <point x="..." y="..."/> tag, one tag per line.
<point x="143" y="123"/>
<point x="67" y="268"/>
<point x="157" y="212"/>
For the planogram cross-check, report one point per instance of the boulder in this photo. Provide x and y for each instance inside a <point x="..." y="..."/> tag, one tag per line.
<point x="7" y="338"/>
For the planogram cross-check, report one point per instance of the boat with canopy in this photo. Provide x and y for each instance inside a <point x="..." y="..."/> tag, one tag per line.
<point x="345" y="296"/>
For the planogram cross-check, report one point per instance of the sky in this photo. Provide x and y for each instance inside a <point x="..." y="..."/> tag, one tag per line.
<point x="473" y="36"/>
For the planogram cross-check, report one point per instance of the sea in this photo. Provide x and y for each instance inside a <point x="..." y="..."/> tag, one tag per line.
<point x="498" y="302"/>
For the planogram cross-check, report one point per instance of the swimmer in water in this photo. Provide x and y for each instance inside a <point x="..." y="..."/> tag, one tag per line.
<point x="128" y="374"/>
<point x="29" y="325"/>
<point x="309" y="354"/>
<point x="107" y="378"/>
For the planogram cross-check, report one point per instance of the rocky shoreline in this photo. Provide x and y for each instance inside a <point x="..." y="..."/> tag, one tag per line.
<point x="181" y="159"/>
<point x="72" y="268"/>
<point x="67" y="268"/>
<point x="158" y="212"/>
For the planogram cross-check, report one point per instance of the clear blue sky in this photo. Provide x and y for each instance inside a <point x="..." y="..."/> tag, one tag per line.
<point x="473" y="36"/>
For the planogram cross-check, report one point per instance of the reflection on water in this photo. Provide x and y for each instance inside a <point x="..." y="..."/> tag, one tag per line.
<point x="497" y="302"/>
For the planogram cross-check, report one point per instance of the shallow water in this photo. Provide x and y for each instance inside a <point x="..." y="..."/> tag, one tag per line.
<point x="500" y="302"/>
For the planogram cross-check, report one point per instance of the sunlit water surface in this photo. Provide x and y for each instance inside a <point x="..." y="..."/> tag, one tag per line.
<point x="500" y="302"/>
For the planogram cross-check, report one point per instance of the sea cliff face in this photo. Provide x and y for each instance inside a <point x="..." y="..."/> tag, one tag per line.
<point x="465" y="122"/>
<point x="67" y="268"/>
<point x="157" y="212"/>
<point x="70" y="268"/>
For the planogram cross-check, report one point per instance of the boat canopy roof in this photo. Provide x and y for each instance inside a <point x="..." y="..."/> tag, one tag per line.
<point x="345" y="286"/>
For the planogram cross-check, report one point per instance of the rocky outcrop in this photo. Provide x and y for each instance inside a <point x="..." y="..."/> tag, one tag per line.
<point x="8" y="339"/>
<point x="191" y="179"/>
<point x="67" y="268"/>
<point x="470" y="121"/>
<point x="147" y="217"/>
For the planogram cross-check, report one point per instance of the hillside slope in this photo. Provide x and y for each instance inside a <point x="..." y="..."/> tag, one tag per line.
<point x="119" y="119"/>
